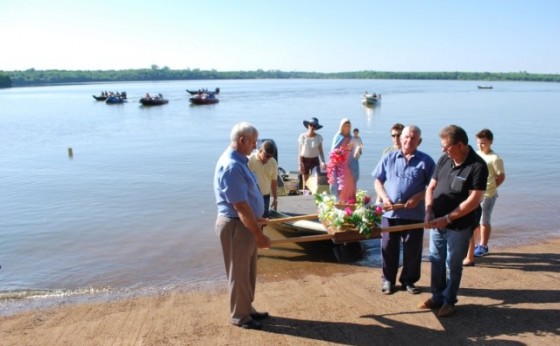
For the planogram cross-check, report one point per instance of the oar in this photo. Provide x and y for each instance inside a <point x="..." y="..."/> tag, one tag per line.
<point x="330" y="236"/>
<point x="289" y="219"/>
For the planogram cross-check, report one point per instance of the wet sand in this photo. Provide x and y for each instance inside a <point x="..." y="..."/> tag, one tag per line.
<point x="510" y="298"/>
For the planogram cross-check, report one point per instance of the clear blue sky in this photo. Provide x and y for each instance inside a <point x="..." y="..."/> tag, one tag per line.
<point x="288" y="35"/>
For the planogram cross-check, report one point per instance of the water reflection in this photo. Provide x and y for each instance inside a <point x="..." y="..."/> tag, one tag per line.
<point x="371" y="110"/>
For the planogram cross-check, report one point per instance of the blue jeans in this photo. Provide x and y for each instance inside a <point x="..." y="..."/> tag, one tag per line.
<point x="266" y="199"/>
<point x="448" y="248"/>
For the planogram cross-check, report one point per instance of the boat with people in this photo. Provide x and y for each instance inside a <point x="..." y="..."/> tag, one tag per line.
<point x="204" y="99"/>
<point x="105" y="95"/>
<point x="201" y="91"/>
<point x="370" y="99"/>
<point x="114" y="100"/>
<point x="485" y="87"/>
<point x="157" y="100"/>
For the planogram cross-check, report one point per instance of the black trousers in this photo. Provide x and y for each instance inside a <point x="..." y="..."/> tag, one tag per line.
<point x="412" y="252"/>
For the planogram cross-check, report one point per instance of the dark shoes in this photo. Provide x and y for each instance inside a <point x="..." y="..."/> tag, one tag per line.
<point x="430" y="304"/>
<point x="259" y="315"/>
<point x="446" y="310"/>
<point x="251" y="324"/>
<point x="387" y="288"/>
<point x="410" y="288"/>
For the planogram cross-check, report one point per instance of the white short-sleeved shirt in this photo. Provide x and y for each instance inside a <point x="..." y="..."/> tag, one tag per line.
<point x="310" y="145"/>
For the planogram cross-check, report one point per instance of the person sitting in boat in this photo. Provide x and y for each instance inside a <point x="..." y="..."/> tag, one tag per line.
<point x="147" y="96"/>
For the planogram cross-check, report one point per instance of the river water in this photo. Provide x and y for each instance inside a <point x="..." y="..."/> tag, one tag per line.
<point x="132" y="210"/>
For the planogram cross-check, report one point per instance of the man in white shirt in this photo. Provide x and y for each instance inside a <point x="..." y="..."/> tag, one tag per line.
<point x="265" y="168"/>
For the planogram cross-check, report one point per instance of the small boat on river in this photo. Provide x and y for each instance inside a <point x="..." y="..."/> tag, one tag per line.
<point x="485" y="87"/>
<point x="204" y="99"/>
<point x="201" y="91"/>
<point x="105" y="95"/>
<point x="153" y="100"/>
<point x="115" y="100"/>
<point x="371" y="99"/>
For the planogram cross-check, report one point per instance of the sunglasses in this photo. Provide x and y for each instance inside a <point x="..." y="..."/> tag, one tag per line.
<point x="395" y="135"/>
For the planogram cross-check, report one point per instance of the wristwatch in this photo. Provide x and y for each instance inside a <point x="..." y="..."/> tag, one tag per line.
<point x="447" y="218"/>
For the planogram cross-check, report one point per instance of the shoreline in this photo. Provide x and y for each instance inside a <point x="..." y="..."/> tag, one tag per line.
<point x="510" y="296"/>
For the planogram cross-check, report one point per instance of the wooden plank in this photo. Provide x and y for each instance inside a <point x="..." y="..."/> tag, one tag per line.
<point x="289" y="219"/>
<point x="303" y="239"/>
<point x="340" y="237"/>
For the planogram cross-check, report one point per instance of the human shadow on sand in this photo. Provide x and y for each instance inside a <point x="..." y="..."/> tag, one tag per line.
<point x="507" y="320"/>
<point x="472" y="325"/>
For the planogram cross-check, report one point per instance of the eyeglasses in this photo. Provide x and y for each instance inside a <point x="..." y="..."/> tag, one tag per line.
<point x="446" y="147"/>
<point x="395" y="135"/>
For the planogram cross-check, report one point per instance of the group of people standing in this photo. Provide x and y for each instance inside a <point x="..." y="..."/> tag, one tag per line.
<point x="453" y="197"/>
<point x="345" y="174"/>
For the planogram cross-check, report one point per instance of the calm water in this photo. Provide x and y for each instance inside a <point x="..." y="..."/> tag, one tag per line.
<point x="133" y="210"/>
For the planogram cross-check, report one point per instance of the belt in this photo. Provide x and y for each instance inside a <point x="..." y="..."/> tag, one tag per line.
<point x="231" y="217"/>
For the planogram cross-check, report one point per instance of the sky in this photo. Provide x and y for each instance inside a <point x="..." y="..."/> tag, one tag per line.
<point x="287" y="35"/>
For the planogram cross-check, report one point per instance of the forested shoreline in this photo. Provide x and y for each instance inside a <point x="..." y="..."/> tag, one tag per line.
<point x="32" y="77"/>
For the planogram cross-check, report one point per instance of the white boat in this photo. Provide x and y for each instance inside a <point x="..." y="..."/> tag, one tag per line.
<point x="371" y="99"/>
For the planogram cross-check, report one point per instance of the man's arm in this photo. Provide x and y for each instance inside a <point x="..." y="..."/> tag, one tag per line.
<point x="382" y="194"/>
<point x="248" y="219"/>
<point x="274" y="189"/>
<point x="429" y="198"/>
<point x="413" y="201"/>
<point x="471" y="203"/>
<point x="500" y="179"/>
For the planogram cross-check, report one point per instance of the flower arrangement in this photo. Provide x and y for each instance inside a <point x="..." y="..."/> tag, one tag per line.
<point x="360" y="216"/>
<point x="335" y="168"/>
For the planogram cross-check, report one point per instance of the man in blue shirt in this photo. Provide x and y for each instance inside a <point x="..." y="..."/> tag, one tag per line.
<point x="401" y="177"/>
<point x="239" y="203"/>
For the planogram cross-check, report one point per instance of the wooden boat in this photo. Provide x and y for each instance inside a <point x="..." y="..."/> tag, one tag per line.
<point x="202" y="91"/>
<point x="204" y="99"/>
<point x="153" y="101"/>
<point x="371" y="99"/>
<point x="345" y="246"/>
<point x="485" y="87"/>
<point x="296" y="228"/>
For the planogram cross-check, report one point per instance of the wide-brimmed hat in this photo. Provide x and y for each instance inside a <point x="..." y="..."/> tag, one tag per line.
<point x="314" y="122"/>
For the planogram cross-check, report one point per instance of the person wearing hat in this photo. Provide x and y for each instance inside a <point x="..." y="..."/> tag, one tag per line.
<point x="265" y="168"/>
<point x="310" y="149"/>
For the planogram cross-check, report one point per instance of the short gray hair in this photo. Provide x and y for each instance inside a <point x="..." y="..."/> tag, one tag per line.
<point x="413" y="128"/>
<point x="242" y="129"/>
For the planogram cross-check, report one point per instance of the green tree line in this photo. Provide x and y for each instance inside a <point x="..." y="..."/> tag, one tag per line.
<point x="5" y="80"/>
<point x="40" y="77"/>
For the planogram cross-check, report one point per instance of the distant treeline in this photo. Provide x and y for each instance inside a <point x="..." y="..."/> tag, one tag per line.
<point x="38" y="77"/>
<point x="5" y="80"/>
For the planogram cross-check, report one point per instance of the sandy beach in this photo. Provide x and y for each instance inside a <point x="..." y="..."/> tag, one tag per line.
<point x="509" y="298"/>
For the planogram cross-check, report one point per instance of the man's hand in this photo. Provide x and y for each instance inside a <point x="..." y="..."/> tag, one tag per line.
<point x="263" y="242"/>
